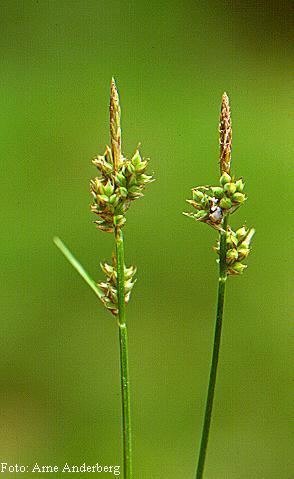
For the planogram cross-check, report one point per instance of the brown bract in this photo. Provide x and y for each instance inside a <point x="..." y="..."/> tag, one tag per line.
<point x="225" y="139"/>
<point x="115" y="129"/>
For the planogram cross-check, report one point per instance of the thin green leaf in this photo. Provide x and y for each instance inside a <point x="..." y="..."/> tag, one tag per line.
<point x="78" y="267"/>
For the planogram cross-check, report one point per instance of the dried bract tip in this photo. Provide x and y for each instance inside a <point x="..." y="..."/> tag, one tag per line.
<point x="115" y="129"/>
<point x="225" y="140"/>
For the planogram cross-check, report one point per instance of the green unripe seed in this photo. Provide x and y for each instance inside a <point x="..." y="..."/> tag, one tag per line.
<point x="121" y="179"/>
<point x="232" y="255"/>
<point x="140" y="167"/>
<point x="238" y="198"/>
<point x="217" y="191"/>
<point x="205" y="202"/>
<point x="123" y="191"/>
<point x="134" y="189"/>
<point x="241" y="233"/>
<point x="225" y="178"/>
<point x="100" y="188"/>
<point x="130" y="168"/>
<point x="112" y="199"/>
<point x="201" y="214"/>
<point x="238" y="267"/>
<point x="136" y="160"/>
<point x="231" y="239"/>
<point x="243" y="253"/>
<point x="197" y="195"/>
<point x="107" y="167"/>
<point x="103" y="198"/>
<point x="132" y="181"/>
<point x="225" y="203"/>
<point x="240" y="185"/>
<point x="108" y="189"/>
<point x="230" y="188"/>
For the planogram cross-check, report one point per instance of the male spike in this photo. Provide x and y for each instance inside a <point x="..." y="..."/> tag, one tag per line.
<point x="225" y="140"/>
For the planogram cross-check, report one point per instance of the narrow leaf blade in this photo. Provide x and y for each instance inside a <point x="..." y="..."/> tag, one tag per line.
<point x="77" y="266"/>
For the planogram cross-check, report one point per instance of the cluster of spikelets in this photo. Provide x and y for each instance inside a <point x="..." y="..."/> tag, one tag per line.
<point x="109" y="287"/>
<point x="119" y="181"/>
<point x="116" y="186"/>
<point x="214" y="203"/>
<point x="237" y="248"/>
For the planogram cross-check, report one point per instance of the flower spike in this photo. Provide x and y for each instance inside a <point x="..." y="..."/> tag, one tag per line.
<point x="115" y="129"/>
<point x="225" y="140"/>
<point x="119" y="180"/>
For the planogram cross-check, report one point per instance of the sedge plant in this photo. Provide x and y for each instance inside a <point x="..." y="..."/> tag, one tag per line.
<point x="214" y="205"/>
<point x="118" y="183"/>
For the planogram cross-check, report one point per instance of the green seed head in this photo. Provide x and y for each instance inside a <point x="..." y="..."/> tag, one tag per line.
<point x="119" y="180"/>
<point x="109" y="286"/>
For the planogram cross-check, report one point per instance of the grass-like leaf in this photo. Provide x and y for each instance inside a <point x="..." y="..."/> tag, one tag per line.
<point x="77" y="266"/>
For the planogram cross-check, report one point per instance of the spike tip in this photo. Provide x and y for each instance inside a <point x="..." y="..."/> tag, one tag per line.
<point x="115" y="129"/>
<point x="225" y="139"/>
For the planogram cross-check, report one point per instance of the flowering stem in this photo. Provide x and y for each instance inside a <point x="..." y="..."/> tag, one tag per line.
<point x="216" y="348"/>
<point x="124" y="366"/>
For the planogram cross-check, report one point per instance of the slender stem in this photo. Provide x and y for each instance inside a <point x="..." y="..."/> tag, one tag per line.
<point x="216" y="348"/>
<point x="124" y="366"/>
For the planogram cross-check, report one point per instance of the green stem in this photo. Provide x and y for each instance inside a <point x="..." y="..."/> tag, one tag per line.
<point x="124" y="366"/>
<point x="216" y="348"/>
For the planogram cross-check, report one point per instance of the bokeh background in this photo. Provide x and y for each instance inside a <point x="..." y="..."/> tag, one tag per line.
<point x="59" y="372"/>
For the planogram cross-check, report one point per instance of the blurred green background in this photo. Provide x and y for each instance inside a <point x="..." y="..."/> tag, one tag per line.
<point x="60" y="396"/>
